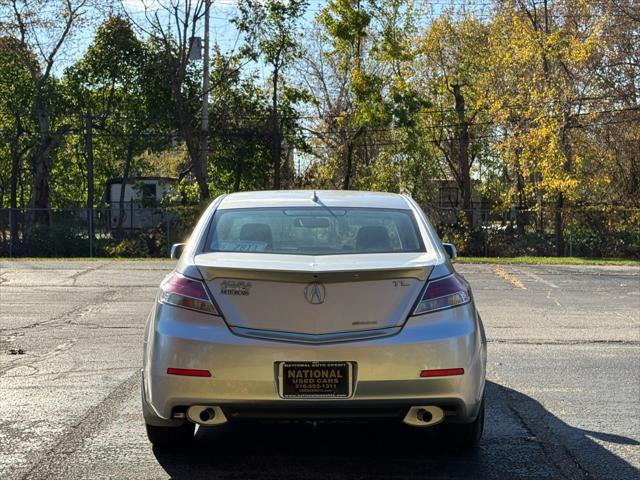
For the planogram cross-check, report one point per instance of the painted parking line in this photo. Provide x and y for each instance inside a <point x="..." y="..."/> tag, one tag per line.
<point x="554" y="299"/>
<point x="538" y="278"/>
<point x="507" y="277"/>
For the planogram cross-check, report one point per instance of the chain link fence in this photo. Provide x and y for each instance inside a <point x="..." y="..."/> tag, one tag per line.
<point x="136" y="230"/>
<point x="131" y="231"/>
<point x="596" y="231"/>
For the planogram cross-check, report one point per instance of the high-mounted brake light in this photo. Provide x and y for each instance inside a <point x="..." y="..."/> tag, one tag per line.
<point x="443" y="293"/>
<point x="184" y="292"/>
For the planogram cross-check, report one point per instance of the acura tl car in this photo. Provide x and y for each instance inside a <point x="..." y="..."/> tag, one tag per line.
<point x="315" y="306"/>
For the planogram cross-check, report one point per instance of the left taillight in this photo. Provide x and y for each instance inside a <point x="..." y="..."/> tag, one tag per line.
<point x="446" y="292"/>
<point x="183" y="292"/>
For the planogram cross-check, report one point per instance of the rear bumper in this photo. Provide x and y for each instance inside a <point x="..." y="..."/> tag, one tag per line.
<point x="244" y="374"/>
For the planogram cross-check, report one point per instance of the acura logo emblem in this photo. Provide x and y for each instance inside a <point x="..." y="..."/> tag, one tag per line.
<point x="315" y="293"/>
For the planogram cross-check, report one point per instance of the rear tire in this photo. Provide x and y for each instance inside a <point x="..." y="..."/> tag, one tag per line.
<point x="467" y="435"/>
<point x="175" y="437"/>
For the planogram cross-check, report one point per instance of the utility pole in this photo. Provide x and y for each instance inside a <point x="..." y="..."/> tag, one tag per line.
<point x="204" y="138"/>
<point x="90" y="187"/>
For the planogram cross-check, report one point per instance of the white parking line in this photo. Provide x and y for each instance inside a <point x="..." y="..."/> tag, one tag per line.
<point x="550" y="297"/>
<point x="541" y="280"/>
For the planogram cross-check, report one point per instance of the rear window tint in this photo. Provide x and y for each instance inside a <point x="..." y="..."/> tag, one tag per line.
<point x="314" y="231"/>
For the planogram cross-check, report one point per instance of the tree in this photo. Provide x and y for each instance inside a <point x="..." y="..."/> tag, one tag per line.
<point x="272" y="35"/>
<point x="346" y="25"/>
<point x="16" y="96"/>
<point x="611" y="136"/>
<point x="455" y="77"/>
<point x="173" y="25"/>
<point x="44" y="31"/>
<point x="117" y="93"/>
<point x="239" y="132"/>
<point x="540" y="56"/>
<point x="359" y="68"/>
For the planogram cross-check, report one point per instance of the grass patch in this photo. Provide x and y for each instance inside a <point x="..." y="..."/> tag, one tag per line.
<point x="551" y="261"/>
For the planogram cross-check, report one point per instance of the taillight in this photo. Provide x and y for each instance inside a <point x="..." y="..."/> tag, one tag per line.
<point x="444" y="293"/>
<point x="184" y="292"/>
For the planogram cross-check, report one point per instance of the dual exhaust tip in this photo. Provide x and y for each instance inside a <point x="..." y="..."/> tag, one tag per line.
<point x="418" y="416"/>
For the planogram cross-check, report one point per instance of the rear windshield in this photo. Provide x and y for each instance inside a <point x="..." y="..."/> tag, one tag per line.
<point x="313" y="231"/>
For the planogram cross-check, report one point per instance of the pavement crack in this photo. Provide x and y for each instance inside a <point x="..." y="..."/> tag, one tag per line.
<point x="16" y="365"/>
<point x="522" y="341"/>
<point x="93" y="268"/>
<point x="539" y="432"/>
<point x="99" y="326"/>
<point x="53" y="462"/>
<point x="78" y="310"/>
<point x="49" y="321"/>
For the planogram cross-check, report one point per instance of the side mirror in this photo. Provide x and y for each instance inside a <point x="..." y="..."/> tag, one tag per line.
<point x="176" y="250"/>
<point x="450" y="248"/>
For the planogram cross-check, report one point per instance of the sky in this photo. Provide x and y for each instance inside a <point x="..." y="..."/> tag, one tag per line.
<point x="222" y="31"/>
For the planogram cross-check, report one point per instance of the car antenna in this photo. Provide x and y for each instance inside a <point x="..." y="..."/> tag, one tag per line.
<point x="315" y="197"/>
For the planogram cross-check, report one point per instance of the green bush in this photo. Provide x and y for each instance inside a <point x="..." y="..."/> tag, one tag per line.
<point x="58" y="240"/>
<point x="459" y="234"/>
<point x="584" y="242"/>
<point x="140" y="243"/>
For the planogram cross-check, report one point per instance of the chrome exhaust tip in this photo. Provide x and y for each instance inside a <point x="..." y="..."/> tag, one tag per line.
<point x="424" y="416"/>
<point x="206" y="415"/>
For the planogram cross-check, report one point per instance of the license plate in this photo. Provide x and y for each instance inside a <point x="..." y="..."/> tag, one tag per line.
<point x="315" y="379"/>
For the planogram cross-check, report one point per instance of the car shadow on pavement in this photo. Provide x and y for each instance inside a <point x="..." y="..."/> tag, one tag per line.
<point x="521" y="440"/>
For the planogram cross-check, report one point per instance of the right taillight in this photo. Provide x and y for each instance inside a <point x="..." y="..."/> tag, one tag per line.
<point x="184" y="292"/>
<point x="446" y="292"/>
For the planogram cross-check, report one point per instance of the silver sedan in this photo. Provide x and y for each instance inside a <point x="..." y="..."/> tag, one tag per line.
<point x="313" y="306"/>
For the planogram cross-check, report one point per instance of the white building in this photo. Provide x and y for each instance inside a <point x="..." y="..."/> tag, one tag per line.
<point x="142" y="197"/>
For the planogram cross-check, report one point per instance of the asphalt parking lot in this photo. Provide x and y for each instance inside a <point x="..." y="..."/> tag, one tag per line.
<point x="563" y="394"/>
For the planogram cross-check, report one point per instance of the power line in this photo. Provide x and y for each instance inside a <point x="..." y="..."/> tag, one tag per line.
<point x="317" y="134"/>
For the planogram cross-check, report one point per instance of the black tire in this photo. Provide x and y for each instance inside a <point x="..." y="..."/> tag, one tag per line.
<point x="175" y="437"/>
<point x="467" y="435"/>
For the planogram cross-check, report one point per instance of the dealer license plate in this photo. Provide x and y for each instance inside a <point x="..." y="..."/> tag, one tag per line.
<point x="315" y="379"/>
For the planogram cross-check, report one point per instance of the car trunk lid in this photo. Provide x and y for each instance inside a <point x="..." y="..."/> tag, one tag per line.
<point x="315" y="295"/>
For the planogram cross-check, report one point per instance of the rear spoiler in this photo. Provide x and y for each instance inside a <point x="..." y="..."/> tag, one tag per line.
<point x="420" y="273"/>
